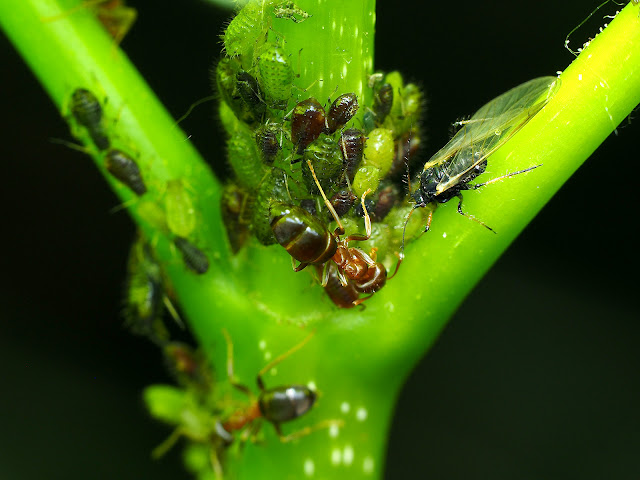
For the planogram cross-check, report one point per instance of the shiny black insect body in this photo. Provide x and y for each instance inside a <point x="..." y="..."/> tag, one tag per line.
<point x="87" y="111"/>
<point x="193" y="257"/>
<point x="125" y="169"/>
<point x="452" y="168"/>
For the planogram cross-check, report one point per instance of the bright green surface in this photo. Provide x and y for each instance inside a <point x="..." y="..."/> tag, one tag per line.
<point x="357" y="358"/>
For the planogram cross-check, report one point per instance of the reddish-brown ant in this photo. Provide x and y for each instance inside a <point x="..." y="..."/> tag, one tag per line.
<point x="310" y="242"/>
<point x="276" y="405"/>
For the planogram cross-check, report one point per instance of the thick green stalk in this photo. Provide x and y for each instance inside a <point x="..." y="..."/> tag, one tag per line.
<point x="358" y="358"/>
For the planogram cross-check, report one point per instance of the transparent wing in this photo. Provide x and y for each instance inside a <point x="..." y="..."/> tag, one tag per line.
<point x="490" y="127"/>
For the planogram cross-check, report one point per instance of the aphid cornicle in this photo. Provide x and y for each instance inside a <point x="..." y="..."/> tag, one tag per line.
<point x="125" y="169"/>
<point x="87" y="111"/>
<point x="461" y="160"/>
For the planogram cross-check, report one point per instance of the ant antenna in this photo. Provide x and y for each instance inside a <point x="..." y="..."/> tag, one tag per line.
<point x="326" y="200"/>
<point x="286" y="354"/>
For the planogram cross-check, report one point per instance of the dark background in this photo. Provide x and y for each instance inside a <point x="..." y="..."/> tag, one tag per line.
<point x="536" y="376"/>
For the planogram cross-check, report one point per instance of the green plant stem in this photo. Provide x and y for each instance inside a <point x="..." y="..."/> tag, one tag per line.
<point x="358" y="358"/>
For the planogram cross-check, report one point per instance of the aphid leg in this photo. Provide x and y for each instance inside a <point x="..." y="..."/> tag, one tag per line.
<point x="367" y="222"/>
<point x="168" y="304"/>
<point x="216" y="466"/>
<point x="72" y="146"/>
<point x="429" y="218"/>
<point x="493" y="180"/>
<point x="340" y="228"/>
<point x="280" y="358"/>
<point x="167" y="444"/>
<point x="303" y="432"/>
<point x="238" y="386"/>
<point x="471" y="217"/>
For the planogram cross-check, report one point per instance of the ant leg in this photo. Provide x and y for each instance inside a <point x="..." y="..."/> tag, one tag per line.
<point x="118" y="21"/>
<point x="471" y="217"/>
<point x="302" y="265"/>
<point x="306" y="430"/>
<point x="493" y="180"/>
<point x="400" y="259"/>
<point x="280" y="358"/>
<point x="340" y="228"/>
<point x="367" y="222"/>
<point x="242" y="388"/>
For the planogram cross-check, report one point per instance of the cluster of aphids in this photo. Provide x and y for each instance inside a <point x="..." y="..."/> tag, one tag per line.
<point x="198" y="408"/>
<point x="300" y="163"/>
<point x="174" y="215"/>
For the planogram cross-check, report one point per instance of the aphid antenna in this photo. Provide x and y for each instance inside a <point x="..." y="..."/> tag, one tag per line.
<point x="192" y="107"/>
<point x="566" y="40"/>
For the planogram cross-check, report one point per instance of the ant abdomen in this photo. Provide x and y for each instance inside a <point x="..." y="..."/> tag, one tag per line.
<point x="281" y="404"/>
<point x="303" y="236"/>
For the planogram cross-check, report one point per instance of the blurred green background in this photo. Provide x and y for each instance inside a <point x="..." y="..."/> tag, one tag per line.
<point x="536" y="376"/>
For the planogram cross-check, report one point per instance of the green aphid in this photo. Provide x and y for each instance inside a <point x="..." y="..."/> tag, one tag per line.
<point x="179" y="208"/>
<point x="144" y="294"/>
<point x="275" y="74"/>
<point x="248" y="28"/>
<point x="244" y="158"/>
<point x="367" y="177"/>
<point x="379" y="150"/>
<point x="326" y="156"/>
<point x="407" y="105"/>
<point x="272" y="188"/>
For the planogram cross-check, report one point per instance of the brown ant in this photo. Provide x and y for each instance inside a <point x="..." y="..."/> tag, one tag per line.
<point x="310" y="242"/>
<point x="276" y="405"/>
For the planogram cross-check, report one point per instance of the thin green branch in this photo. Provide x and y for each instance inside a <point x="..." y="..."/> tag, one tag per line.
<point x="358" y="358"/>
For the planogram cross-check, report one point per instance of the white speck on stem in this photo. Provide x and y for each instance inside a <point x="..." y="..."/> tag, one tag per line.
<point x="309" y="467"/>
<point x="367" y="465"/>
<point x="336" y="456"/>
<point x="347" y="455"/>
<point x="362" y="414"/>
<point x="345" y="407"/>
